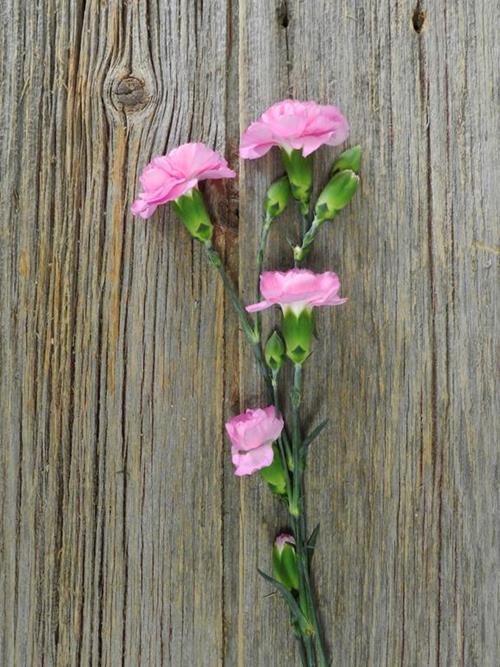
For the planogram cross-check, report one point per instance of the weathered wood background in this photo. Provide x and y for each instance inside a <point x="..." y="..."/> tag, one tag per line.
<point x="125" y="537"/>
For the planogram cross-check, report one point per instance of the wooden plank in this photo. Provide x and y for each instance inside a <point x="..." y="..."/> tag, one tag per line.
<point x="125" y="537"/>
<point x="112" y="378"/>
<point x="259" y="612"/>
<point x="408" y="560"/>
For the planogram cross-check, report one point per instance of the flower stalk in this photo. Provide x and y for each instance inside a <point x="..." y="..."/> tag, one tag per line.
<point x="260" y="439"/>
<point x="251" y="333"/>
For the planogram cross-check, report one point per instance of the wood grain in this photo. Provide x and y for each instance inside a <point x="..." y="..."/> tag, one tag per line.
<point x="124" y="536"/>
<point x="111" y="522"/>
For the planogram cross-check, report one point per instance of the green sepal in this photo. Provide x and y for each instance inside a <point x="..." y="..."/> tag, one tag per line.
<point x="300" y="175"/>
<point x="285" y="564"/>
<point x="274" y="475"/>
<point x="277" y="197"/>
<point x="298" y="331"/>
<point x="274" y="351"/>
<point x="191" y="210"/>
<point x="290" y="567"/>
<point x="349" y="159"/>
<point x="337" y="193"/>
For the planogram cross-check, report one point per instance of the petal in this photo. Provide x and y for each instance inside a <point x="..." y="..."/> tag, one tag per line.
<point x="247" y="463"/>
<point x="256" y="141"/>
<point x="142" y="209"/>
<point x="256" y="307"/>
<point x="182" y="188"/>
<point x="312" y="143"/>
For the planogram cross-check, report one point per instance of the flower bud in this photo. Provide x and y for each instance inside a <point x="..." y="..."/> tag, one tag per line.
<point x="285" y="566"/>
<point x="338" y="193"/>
<point x="274" y="351"/>
<point x="299" y="170"/>
<point x="349" y="159"/>
<point x="298" y="329"/>
<point x="191" y="210"/>
<point x="277" y="197"/>
<point x="274" y="475"/>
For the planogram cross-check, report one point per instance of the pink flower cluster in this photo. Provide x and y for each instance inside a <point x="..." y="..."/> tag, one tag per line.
<point x="167" y="177"/>
<point x="298" y="288"/>
<point x="252" y="435"/>
<point x="296" y="125"/>
<point x="290" y="125"/>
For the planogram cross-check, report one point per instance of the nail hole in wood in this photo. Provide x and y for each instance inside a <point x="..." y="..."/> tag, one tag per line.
<point x="283" y="17"/>
<point x="418" y="20"/>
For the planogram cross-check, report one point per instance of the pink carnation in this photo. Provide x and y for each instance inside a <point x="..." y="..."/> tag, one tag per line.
<point x="167" y="177"/>
<point x="252" y="435"/>
<point x="298" y="288"/>
<point x="294" y="125"/>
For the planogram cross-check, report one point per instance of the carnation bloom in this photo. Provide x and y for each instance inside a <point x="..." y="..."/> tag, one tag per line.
<point x="298" y="289"/>
<point x="252" y="435"/>
<point x="294" y="125"/>
<point x="170" y="176"/>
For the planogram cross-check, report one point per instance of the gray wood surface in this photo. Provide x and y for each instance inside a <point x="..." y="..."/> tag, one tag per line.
<point x="124" y="536"/>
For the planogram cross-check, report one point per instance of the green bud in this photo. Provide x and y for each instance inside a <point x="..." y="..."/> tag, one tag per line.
<point x="274" y="475"/>
<point x="285" y="566"/>
<point x="299" y="170"/>
<point x="274" y="352"/>
<point x="191" y="210"/>
<point x="298" y="330"/>
<point x="338" y="193"/>
<point x="277" y="197"/>
<point x="349" y="159"/>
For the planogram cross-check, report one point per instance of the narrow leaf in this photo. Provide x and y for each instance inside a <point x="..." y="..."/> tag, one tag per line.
<point x="292" y="603"/>
<point x="314" y="433"/>
<point x="311" y="543"/>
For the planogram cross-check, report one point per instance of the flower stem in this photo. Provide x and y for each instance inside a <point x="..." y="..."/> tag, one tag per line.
<point x="251" y="333"/>
<point x="264" y="234"/>
<point x="296" y="438"/>
<point x="289" y="454"/>
<point x="301" y="252"/>
<point x="306" y="597"/>
<point x="283" y="445"/>
<point x="305" y="222"/>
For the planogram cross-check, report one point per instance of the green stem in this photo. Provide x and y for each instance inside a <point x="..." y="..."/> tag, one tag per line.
<point x="283" y="440"/>
<point x="296" y="437"/>
<point x="305" y="222"/>
<point x="306" y="597"/>
<point x="283" y="444"/>
<point x="309" y="651"/>
<point x="294" y="487"/>
<point x="301" y="252"/>
<point x="302" y="651"/>
<point x="264" y="234"/>
<point x="251" y="334"/>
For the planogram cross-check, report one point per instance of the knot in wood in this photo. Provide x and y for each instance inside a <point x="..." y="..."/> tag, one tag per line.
<point x="130" y="94"/>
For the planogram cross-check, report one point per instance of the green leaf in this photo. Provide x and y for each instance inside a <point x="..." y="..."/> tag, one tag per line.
<point x="311" y="542"/>
<point x="297" y="614"/>
<point x="314" y="433"/>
